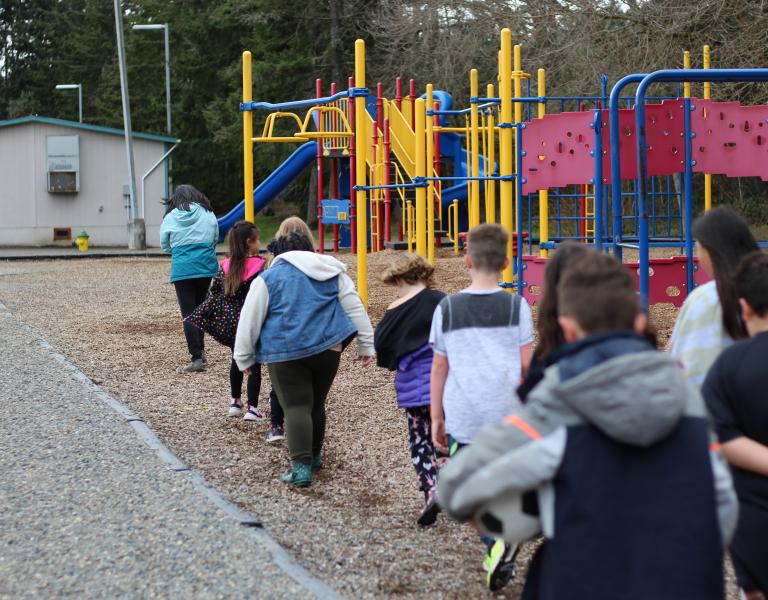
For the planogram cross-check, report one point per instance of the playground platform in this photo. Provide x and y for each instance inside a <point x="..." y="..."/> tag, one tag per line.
<point x="92" y="504"/>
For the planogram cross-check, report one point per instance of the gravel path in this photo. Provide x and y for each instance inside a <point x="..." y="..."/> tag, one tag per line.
<point x="87" y="509"/>
<point x="118" y="320"/>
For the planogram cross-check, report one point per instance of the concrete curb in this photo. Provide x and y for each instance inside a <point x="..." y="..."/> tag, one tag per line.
<point x="280" y="555"/>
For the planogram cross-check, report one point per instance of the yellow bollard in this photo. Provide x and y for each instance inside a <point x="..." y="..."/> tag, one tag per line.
<point x="247" y="138"/>
<point x="505" y="144"/>
<point x="430" y="139"/>
<point x="361" y="145"/>
<point x="421" y="171"/>
<point x="543" y="194"/>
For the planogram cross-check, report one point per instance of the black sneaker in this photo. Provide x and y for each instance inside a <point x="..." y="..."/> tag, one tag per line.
<point x="500" y="564"/>
<point x="429" y="512"/>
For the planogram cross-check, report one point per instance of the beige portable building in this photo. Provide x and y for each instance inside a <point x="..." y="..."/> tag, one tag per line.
<point x="60" y="177"/>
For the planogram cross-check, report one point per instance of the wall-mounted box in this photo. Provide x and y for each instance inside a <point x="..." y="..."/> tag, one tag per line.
<point x="63" y="164"/>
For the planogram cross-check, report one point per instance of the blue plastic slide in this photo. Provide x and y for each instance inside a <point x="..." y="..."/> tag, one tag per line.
<point x="275" y="183"/>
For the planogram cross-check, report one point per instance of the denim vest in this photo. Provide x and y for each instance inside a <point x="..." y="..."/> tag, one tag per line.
<point x="304" y="317"/>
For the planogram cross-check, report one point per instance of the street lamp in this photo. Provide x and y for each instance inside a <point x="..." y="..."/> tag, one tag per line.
<point x="163" y="26"/>
<point x="79" y="88"/>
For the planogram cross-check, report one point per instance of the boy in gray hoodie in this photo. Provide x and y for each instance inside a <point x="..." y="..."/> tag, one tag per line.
<point x="635" y="501"/>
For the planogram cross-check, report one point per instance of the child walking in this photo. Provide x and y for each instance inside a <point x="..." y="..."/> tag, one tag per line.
<point x="734" y="391"/>
<point x="219" y="314"/>
<point x="298" y="318"/>
<point x="482" y="340"/>
<point x="401" y="341"/>
<point x="287" y="226"/>
<point x="635" y="500"/>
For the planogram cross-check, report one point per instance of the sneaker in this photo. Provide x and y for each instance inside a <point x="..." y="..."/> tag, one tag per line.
<point x="235" y="409"/>
<point x="499" y="565"/>
<point x="276" y="434"/>
<point x="253" y="414"/>
<point x="195" y="366"/>
<point x="317" y="462"/>
<point x="429" y="512"/>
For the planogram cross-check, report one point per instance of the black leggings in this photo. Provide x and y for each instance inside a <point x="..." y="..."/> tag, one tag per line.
<point x="254" y="383"/>
<point x="302" y="386"/>
<point x="190" y="294"/>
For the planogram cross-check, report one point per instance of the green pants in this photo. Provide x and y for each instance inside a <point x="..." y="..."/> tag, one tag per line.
<point x="302" y="386"/>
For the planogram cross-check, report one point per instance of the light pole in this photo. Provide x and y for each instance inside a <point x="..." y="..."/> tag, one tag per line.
<point x="136" y="227"/>
<point x="164" y="27"/>
<point x="79" y="88"/>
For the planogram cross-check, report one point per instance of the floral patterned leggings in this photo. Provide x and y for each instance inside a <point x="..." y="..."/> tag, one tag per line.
<point x="423" y="453"/>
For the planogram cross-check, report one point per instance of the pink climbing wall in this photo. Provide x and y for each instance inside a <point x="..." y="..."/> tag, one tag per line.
<point x="730" y="139"/>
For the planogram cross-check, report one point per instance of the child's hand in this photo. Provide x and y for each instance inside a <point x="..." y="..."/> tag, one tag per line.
<point x="439" y="439"/>
<point x="366" y="360"/>
<point x="248" y="371"/>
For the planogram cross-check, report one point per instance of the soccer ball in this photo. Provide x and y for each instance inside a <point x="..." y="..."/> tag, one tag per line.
<point x="504" y="518"/>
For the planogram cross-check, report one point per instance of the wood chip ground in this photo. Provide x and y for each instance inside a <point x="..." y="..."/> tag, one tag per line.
<point x="118" y="320"/>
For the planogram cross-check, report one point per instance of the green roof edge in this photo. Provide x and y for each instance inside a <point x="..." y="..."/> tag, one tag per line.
<point x="78" y="125"/>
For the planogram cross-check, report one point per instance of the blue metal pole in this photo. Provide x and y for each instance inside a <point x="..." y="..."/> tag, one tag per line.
<point x="642" y="211"/>
<point x="688" y="185"/>
<point x="615" y="136"/>
<point x="597" y="125"/>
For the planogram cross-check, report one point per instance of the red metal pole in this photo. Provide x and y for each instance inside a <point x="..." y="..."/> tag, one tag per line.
<point x="399" y="93"/>
<point x="352" y="176"/>
<point x="335" y="182"/>
<point x="387" y="181"/>
<point x="436" y="167"/>
<point x="320" y="227"/>
<point x="412" y="96"/>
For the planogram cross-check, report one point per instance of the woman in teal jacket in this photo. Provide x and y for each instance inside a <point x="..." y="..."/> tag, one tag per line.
<point x="189" y="233"/>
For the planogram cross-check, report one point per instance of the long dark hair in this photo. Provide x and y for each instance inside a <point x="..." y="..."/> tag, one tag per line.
<point x="727" y="239"/>
<point x="548" y="328"/>
<point x="242" y="232"/>
<point x="183" y="196"/>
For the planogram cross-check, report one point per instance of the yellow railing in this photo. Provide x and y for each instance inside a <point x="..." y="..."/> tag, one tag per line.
<point x="453" y="225"/>
<point x="589" y="212"/>
<point x="267" y="135"/>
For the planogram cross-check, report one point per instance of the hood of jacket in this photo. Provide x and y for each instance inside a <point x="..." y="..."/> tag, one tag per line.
<point x="187" y="218"/>
<point x="621" y="385"/>
<point x="319" y="267"/>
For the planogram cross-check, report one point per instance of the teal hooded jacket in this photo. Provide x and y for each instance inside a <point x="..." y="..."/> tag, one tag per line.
<point x="190" y="237"/>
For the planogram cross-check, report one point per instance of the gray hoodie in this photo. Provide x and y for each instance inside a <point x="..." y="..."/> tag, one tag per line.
<point x="636" y="399"/>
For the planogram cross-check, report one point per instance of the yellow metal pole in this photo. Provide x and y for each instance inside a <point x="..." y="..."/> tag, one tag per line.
<point x="474" y="186"/>
<point x="490" y="202"/>
<point x="707" y="96"/>
<point x="518" y="79"/>
<point x="505" y="144"/>
<point x="430" y="135"/>
<point x="543" y="194"/>
<point x="421" y="171"/>
<point x="248" y="138"/>
<point x="687" y="65"/>
<point x="455" y="232"/>
<point x="361" y="145"/>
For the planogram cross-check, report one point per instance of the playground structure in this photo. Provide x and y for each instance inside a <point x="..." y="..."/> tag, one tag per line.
<point x="551" y="181"/>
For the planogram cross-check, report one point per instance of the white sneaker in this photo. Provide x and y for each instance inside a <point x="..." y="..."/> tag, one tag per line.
<point x="235" y="409"/>
<point x="254" y="414"/>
